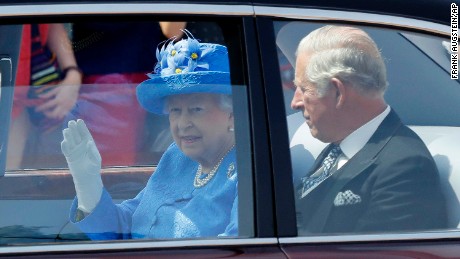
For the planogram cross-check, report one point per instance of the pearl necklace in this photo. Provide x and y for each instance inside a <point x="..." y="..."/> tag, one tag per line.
<point x="200" y="182"/>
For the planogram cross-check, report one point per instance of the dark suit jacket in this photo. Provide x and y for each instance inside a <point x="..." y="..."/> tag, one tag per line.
<point x="397" y="182"/>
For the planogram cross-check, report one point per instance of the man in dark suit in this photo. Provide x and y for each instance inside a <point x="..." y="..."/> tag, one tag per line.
<point x="376" y="175"/>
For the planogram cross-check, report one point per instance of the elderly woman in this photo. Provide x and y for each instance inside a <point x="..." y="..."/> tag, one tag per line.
<point x="193" y="192"/>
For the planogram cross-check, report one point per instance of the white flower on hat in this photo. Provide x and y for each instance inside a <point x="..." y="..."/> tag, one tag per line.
<point x="179" y="57"/>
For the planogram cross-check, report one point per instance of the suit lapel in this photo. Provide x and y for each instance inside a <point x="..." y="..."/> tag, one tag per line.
<point x="355" y="166"/>
<point x="373" y="147"/>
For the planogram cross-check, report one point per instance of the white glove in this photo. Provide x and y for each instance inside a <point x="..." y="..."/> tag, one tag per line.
<point x="84" y="162"/>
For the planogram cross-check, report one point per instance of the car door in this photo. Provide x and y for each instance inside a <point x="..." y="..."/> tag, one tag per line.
<point x="422" y="89"/>
<point x="37" y="192"/>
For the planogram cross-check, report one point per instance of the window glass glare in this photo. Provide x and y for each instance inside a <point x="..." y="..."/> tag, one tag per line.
<point x="131" y="129"/>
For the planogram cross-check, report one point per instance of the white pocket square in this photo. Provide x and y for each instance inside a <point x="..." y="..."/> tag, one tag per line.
<point x="346" y="198"/>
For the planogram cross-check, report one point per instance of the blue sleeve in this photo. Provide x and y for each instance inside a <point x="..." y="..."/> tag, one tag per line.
<point x="107" y="221"/>
<point x="232" y="227"/>
<point x="110" y="221"/>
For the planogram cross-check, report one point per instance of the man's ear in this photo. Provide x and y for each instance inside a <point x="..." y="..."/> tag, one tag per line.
<point x="231" y="118"/>
<point x="341" y="92"/>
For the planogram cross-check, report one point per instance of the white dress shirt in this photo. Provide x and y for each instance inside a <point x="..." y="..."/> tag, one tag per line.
<point x="358" y="138"/>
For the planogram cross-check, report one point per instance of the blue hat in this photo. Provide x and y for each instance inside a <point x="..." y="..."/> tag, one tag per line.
<point x="185" y="67"/>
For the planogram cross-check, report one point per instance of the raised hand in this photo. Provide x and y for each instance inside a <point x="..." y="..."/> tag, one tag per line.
<point x="84" y="163"/>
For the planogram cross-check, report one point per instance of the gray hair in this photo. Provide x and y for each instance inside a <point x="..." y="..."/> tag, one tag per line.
<point x="346" y="53"/>
<point x="226" y="103"/>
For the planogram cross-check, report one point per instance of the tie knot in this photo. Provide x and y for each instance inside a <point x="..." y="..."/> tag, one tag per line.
<point x="335" y="151"/>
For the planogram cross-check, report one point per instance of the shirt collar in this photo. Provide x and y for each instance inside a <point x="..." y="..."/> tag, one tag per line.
<point x="358" y="138"/>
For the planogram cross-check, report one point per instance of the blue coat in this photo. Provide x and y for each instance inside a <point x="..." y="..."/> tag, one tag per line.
<point x="170" y="206"/>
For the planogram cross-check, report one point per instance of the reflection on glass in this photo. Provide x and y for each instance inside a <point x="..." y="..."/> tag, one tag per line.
<point x="194" y="189"/>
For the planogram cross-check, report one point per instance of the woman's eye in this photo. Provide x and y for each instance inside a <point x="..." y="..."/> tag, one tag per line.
<point x="174" y="110"/>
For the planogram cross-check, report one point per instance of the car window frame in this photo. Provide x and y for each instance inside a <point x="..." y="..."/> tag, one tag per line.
<point x="263" y="231"/>
<point x="282" y="164"/>
<point x="8" y="72"/>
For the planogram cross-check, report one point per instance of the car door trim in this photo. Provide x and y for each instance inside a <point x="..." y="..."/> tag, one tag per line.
<point x="132" y="8"/>
<point x="136" y="244"/>
<point x="447" y="234"/>
<point x="361" y="17"/>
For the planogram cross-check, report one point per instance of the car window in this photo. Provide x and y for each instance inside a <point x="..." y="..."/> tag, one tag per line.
<point x="422" y="93"/>
<point x="138" y="139"/>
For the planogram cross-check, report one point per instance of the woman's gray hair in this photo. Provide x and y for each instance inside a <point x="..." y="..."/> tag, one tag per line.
<point x="345" y="53"/>
<point x="226" y="103"/>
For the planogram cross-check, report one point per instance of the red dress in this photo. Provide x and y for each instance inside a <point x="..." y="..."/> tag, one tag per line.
<point x="23" y="70"/>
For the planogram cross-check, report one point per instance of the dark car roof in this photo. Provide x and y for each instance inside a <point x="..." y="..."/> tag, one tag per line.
<point x="430" y="10"/>
<point x="423" y="9"/>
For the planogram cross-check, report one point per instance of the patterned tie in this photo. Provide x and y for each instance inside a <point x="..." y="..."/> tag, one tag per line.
<point x="309" y="182"/>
